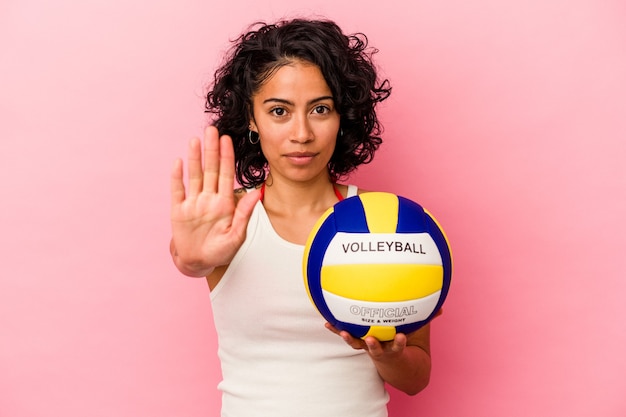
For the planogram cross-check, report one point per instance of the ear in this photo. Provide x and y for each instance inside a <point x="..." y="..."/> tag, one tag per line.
<point x="251" y="123"/>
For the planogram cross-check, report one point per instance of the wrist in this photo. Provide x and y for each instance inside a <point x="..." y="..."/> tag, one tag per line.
<point x="190" y="268"/>
<point x="195" y="270"/>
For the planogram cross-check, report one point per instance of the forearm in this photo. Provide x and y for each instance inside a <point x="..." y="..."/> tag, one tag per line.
<point x="403" y="362"/>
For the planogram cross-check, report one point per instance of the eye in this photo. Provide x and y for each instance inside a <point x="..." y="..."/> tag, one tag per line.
<point x="321" y="109"/>
<point x="278" y="111"/>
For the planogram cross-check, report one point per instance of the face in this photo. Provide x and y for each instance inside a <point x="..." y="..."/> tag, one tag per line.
<point x="295" y="117"/>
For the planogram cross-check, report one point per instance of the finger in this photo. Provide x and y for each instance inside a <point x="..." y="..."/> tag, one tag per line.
<point x="399" y="343"/>
<point x="195" y="167"/>
<point x="212" y="160"/>
<point x="177" y="187"/>
<point x="354" y="343"/>
<point x="351" y="340"/>
<point x="227" y="166"/>
<point x="331" y="328"/>
<point x="374" y="347"/>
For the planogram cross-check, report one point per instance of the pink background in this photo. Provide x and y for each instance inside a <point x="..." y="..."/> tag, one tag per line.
<point x="507" y="121"/>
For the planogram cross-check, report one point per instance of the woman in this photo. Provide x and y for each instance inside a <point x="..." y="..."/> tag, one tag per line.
<point x="294" y="107"/>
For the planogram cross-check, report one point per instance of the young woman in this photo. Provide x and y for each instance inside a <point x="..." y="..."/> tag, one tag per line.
<point x="294" y="106"/>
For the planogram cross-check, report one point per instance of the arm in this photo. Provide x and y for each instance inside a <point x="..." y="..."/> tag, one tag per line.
<point x="208" y="224"/>
<point x="405" y="362"/>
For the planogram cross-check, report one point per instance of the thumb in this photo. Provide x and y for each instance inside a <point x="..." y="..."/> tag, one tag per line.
<point x="243" y="211"/>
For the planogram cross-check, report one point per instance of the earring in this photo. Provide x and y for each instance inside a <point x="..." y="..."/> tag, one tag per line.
<point x="340" y="132"/>
<point x="251" y="140"/>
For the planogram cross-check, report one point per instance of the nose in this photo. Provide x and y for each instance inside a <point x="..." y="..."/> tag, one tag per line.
<point x="301" y="132"/>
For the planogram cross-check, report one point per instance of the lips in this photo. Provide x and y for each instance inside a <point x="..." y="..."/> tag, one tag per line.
<point x="300" y="154"/>
<point x="300" y="158"/>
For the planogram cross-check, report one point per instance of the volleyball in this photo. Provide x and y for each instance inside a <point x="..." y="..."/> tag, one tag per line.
<point x="377" y="264"/>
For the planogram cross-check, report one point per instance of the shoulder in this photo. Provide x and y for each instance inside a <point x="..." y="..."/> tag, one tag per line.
<point x="239" y="192"/>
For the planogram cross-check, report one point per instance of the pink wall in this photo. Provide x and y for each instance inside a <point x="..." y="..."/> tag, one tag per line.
<point x="507" y="118"/>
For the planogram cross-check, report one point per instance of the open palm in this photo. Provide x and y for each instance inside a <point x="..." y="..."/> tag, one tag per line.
<point x="208" y="224"/>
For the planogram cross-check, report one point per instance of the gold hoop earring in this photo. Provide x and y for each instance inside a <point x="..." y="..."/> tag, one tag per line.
<point x="251" y="140"/>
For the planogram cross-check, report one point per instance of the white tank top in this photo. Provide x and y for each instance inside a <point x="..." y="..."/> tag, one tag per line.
<point x="277" y="358"/>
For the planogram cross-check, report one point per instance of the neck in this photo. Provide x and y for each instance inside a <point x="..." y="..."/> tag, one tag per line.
<point x="296" y="197"/>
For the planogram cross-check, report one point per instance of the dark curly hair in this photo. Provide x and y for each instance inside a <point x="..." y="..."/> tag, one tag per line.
<point x="346" y="64"/>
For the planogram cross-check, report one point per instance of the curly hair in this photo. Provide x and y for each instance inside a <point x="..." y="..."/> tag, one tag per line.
<point x="346" y="64"/>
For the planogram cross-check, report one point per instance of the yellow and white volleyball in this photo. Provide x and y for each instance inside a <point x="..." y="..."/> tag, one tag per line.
<point x="377" y="264"/>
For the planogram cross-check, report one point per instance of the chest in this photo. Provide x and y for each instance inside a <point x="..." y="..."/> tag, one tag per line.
<point x="294" y="229"/>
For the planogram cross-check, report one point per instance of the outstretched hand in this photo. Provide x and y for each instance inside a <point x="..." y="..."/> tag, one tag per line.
<point x="208" y="225"/>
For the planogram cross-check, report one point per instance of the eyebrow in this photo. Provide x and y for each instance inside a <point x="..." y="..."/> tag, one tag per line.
<point x="281" y="100"/>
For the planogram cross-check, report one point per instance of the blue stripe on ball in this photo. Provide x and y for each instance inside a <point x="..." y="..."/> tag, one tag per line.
<point x="410" y="217"/>
<point x="323" y="236"/>
<point x="350" y="216"/>
<point x="409" y="328"/>
<point x="446" y="257"/>
<point x="355" y="330"/>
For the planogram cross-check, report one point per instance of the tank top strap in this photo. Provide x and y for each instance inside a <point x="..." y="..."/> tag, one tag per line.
<point x="352" y="190"/>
